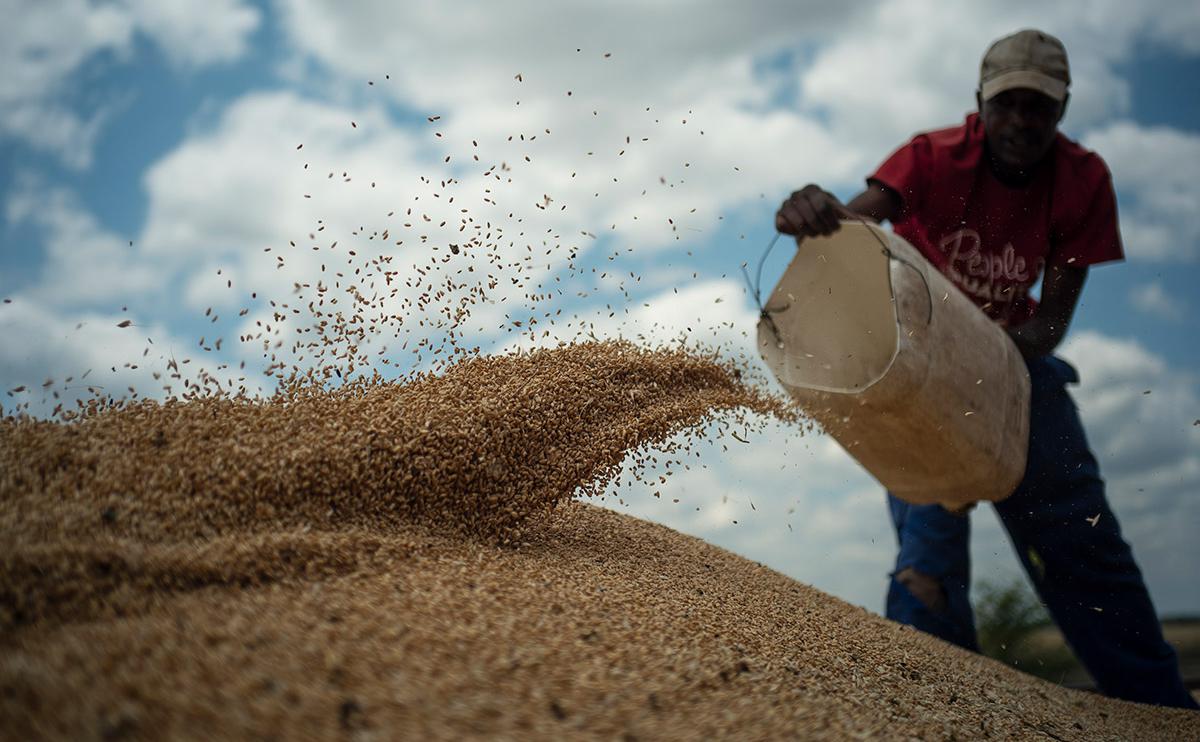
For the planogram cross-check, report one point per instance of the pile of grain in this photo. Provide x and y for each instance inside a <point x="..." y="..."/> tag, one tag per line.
<point x="169" y="495"/>
<point x="390" y="561"/>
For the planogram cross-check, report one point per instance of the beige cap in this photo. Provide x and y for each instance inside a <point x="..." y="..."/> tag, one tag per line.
<point x="1027" y="59"/>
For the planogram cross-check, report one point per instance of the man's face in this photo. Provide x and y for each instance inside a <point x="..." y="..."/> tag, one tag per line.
<point x="1020" y="125"/>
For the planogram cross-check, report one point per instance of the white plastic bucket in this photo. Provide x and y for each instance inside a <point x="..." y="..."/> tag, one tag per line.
<point x="894" y="362"/>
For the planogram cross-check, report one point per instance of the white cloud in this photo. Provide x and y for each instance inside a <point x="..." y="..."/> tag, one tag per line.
<point x="43" y="47"/>
<point x="802" y="507"/>
<point x="1153" y="169"/>
<point x="85" y="265"/>
<point x="1134" y="431"/>
<point x="657" y="56"/>
<point x="1139" y="414"/>
<point x="657" y="77"/>
<point x="1178" y="29"/>
<point x="709" y="313"/>
<point x="1154" y="300"/>
<point x="61" y="356"/>
<point x="284" y="190"/>
<point x="43" y="43"/>
<point x="242" y="186"/>
<point x="197" y="33"/>
<point x="867" y="88"/>
<point x="67" y="321"/>
<point x="239" y="187"/>
<point x="911" y="65"/>
<point x="54" y="128"/>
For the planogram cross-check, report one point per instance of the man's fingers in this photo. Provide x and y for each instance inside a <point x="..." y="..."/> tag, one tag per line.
<point x="782" y="224"/>
<point x="807" y="215"/>
<point x="823" y="207"/>
<point x="794" y="220"/>
<point x="834" y="215"/>
<point x="808" y="212"/>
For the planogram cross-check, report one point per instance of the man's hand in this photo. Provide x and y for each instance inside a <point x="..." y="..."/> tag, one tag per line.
<point x="1060" y="293"/>
<point x="813" y="211"/>
<point x="809" y="212"/>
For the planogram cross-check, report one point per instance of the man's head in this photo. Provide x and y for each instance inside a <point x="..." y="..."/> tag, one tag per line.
<point x="1022" y="96"/>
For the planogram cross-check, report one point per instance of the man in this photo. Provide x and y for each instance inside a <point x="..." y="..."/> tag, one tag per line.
<point x="993" y="204"/>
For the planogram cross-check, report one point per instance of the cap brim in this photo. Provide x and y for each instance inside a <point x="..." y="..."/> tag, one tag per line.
<point x="1030" y="79"/>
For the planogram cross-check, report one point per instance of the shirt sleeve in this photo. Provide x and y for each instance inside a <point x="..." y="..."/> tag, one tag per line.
<point x="906" y="172"/>
<point x="1090" y="235"/>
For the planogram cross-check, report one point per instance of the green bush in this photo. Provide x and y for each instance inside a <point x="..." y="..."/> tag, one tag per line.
<point x="1015" y="629"/>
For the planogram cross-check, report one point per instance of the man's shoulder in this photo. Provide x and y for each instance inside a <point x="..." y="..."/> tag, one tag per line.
<point x="946" y="136"/>
<point x="1083" y="188"/>
<point x="1078" y="161"/>
<point x="955" y="147"/>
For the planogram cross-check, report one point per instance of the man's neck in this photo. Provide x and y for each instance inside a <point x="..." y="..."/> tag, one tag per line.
<point x="1011" y="177"/>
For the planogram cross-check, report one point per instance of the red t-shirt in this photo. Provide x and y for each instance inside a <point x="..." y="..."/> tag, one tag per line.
<point x="993" y="240"/>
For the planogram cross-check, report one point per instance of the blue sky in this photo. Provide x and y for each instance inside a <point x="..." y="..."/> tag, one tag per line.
<point x="175" y="129"/>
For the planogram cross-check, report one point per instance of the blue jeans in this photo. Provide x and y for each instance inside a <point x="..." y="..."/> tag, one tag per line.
<point x="1084" y="573"/>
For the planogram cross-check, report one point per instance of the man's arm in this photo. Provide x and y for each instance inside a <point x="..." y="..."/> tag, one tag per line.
<point x="1060" y="293"/>
<point x="813" y="211"/>
<point x="878" y="203"/>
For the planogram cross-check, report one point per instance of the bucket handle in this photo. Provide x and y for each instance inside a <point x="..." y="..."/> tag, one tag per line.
<point x="756" y="287"/>
<point x="755" y="291"/>
<point x="928" y="291"/>
<point x="888" y="252"/>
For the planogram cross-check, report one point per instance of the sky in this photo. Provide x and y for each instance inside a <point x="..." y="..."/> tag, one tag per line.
<point x="158" y="159"/>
